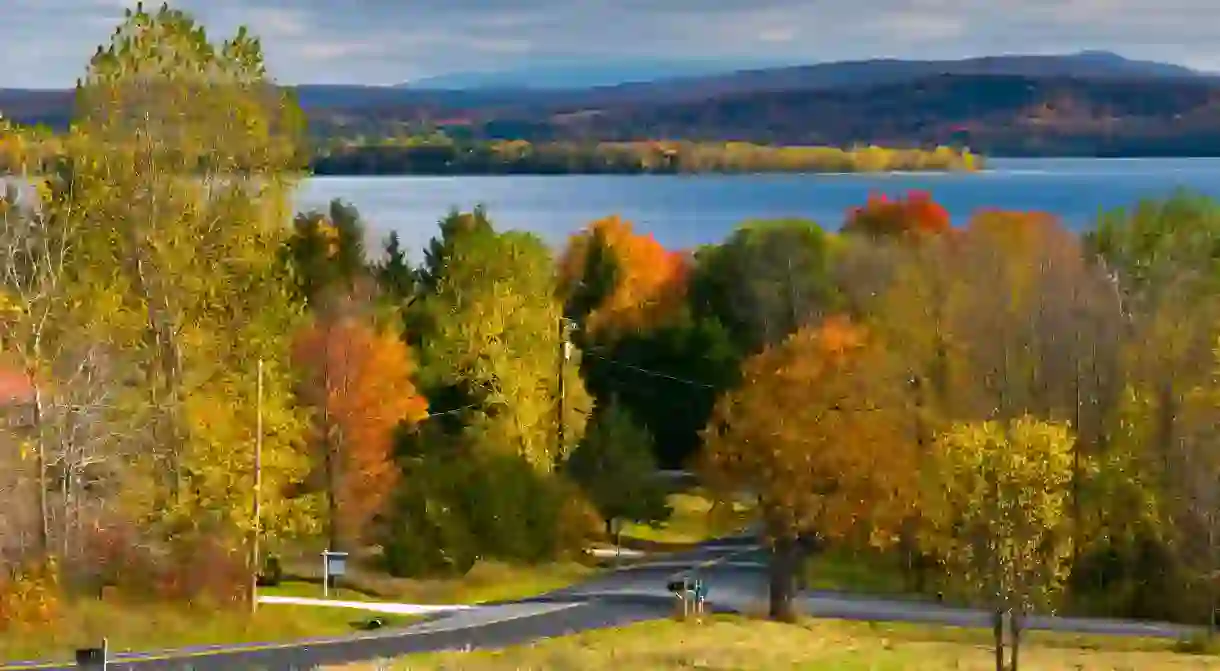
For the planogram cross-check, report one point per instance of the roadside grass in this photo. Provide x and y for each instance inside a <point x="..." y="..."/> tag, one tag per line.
<point x="724" y="643"/>
<point x="696" y="518"/>
<point x="485" y="581"/>
<point x="862" y="572"/>
<point x="131" y="626"/>
<point x="146" y="627"/>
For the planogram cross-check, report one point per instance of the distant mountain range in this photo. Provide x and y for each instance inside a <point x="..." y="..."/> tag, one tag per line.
<point x="577" y="76"/>
<point x="1087" y="103"/>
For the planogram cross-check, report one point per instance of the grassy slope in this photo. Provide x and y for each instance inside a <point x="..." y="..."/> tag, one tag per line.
<point x="732" y="643"/>
<point x="150" y="627"/>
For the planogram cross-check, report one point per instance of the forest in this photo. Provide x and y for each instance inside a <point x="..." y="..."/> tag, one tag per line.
<point x="1017" y="411"/>
<point x="439" y="154"/>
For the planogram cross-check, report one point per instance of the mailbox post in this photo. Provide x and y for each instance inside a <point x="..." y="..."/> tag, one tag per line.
<point x="691" y="593"/>
<point x="681" y="590"/>
<point x="334" y="564"/>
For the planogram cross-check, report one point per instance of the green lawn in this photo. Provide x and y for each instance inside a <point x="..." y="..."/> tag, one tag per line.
<point x="695" y="519"/>
<point x="725" y="643"/>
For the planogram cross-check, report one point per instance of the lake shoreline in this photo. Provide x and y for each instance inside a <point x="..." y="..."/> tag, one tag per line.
<point x="686" y="211"/>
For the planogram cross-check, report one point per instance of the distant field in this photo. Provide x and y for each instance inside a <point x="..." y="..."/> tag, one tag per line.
<point x="727" y="643"/>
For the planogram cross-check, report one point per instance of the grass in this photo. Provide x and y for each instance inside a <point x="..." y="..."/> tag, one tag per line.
<point x="724" y="643"/>
<point x="133" y="626"/>
<point x="861" y="572"/>
<point x="695" y="519"/>
<point x="486" y="581"/>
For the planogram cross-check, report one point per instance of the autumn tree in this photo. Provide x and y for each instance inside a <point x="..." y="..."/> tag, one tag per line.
<point x="767" y="280"/>
<point x="181" y="165"/>
<point x="615" y="280"/>
<point x="1165" y="274"/>
<point x="73" y="430"/>
<point x="998" y="505"/>
<point x="359" y="384"/>
<point x="490" y="335"/>
<point x="823" y="447"/>
<point x="913" y="215"/>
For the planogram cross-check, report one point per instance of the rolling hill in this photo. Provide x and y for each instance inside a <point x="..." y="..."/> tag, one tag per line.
<point x="1090" y="103"/>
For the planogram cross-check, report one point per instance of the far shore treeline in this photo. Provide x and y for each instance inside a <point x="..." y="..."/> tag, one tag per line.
<point x="438" y="154"/>
<point x="1012" y="415"/>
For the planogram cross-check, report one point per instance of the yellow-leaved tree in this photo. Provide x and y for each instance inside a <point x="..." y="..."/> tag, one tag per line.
<point x="998" y="508"/>
<point x="182" y="159"/>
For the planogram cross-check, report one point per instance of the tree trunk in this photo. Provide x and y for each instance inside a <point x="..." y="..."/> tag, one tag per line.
<point x="333" y="533"/>
<point x="998" y="629"/>
<point x="783" y="580"/>
<point x="44" y="509"/>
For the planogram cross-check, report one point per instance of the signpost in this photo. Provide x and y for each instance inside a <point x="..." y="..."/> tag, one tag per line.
<point x="334" y="564"/>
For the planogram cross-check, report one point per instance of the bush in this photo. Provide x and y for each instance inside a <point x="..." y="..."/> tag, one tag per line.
<point x="460" y="510"/>
<point x="424" y="532"/>
<point x="203" y="568"/>
<point x="614" y="465"/>
<point x="272" y="572"/>
<point x="30" y="596"/>
<point x="189" y="567"/>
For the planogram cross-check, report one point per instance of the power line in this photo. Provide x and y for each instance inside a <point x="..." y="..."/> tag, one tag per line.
<point x="651" y="373"/>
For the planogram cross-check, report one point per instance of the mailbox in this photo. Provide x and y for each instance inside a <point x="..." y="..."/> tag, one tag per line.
<point x="92" y="658"/>
<point x="336" y="563"/>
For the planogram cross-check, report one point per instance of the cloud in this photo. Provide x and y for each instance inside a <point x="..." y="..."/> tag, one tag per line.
<point x="45" y="43"/>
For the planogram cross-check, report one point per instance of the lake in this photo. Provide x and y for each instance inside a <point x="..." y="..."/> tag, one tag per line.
<point x="683" y="211"/>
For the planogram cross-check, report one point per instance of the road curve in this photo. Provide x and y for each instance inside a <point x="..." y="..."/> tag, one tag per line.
<point x="734" y="570"/>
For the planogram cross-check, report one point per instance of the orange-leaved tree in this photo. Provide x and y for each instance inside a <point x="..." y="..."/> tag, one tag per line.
<point x="819" y="432"/>
<point x="616" y="280"/>
<point x="358" y="380"/>
<point x="915" y="214"/>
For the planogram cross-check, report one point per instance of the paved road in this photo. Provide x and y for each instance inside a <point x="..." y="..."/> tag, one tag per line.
<point x="732" y="568"/>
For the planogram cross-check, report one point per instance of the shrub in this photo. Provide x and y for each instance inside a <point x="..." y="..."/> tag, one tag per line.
<point x="457" y="511"/>
<point x="272" y="572"/>
<point x="30" y="596"/>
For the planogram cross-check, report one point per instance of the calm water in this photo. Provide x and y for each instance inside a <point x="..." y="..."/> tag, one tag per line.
<point x="684" y="211"/>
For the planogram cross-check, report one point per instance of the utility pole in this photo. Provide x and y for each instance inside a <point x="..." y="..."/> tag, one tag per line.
<point x="565" y="353"/>
<point x="258" y="493"/>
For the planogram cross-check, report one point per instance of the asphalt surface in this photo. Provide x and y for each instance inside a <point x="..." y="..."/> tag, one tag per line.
<point x="733" y="569"/>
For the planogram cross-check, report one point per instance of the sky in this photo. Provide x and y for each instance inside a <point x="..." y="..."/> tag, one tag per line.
<point x="45" y="43"/>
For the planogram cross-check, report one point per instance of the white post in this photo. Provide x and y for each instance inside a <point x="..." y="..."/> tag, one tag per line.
<point x="325" y="576"/>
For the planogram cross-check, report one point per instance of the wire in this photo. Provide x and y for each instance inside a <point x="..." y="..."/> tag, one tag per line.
<point x="645" y="371"/>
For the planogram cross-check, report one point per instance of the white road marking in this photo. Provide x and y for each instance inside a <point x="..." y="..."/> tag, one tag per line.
<point x="375" y="606"/>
